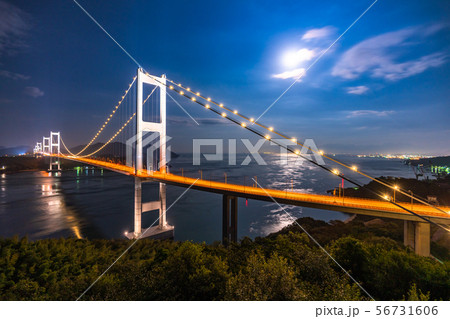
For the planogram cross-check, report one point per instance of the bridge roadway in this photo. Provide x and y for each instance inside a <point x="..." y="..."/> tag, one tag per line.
<point x="350" y="205"/>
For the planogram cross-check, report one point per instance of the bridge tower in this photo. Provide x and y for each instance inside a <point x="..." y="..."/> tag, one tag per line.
<point x="46" y="145"/>
<point x="55" y="149"/>
<point x="37" y="149"/>
<point x="163" y="230"/>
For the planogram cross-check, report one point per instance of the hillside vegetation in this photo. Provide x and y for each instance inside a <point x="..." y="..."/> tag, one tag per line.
<point x="282" y="266"/>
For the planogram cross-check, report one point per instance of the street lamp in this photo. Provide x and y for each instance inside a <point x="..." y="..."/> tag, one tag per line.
<point x="412" y="198"/>
<point x="395" y="188"/>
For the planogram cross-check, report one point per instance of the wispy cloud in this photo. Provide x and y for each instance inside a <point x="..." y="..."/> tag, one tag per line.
<point x="358" y="90"/>
<point x="13" y="76"/>
<point x="318" y="33"/>
<point x="13" y="27"/>
<point x="292" y="74"/>
<point x="368" y="113"/>
<point x="378" y="56"/>
<point x="33" y="91"/>
<point x="294" y="58"/>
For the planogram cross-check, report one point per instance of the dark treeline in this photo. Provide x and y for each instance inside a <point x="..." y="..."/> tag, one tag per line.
<point x="282" y="266"/>
<point x="439" y="188"/>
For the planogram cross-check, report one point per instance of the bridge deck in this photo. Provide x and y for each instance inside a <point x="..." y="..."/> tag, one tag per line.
<point x="343" y="204"/>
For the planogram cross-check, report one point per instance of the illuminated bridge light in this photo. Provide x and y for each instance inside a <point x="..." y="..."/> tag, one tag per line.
<point x="267" y="137"/>
<point x="354" y="168"/>
<point x="294" y="140"/>
<point x="221" y="105"/>
<point x="171" y="87"/>
<point x="224" y="114"/>
<point x="243" y="124"/>
<point x="235" y="112"/>
<point x="193" y="99"/>
<point x="271" y="129"/>
<point x="297" y="152"/>
<point x="252" y="120"/>
<point x="188" y="89"/>
<point x="386" y="197"/>
<point x="198" y="93"/>
<point x="207" y="106"/>
<point x="181" y="92"/>
<point x="209" y="99"/>
<point x="335" y="171"/>
<point x="321" y="152"/>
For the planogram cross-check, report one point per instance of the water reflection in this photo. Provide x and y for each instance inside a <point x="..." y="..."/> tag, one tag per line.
<point x="58" y="213"/>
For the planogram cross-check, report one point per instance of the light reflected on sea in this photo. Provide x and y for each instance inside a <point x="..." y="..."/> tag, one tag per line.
<point x="36" y="209"/>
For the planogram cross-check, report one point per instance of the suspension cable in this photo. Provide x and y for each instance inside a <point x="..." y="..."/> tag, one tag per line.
<point x="294" y="140"/>
<point x="108" y="119"/>
<point x="114" y="136"/>
<point x="335" y="172"/>
<point x="296" y="152"/>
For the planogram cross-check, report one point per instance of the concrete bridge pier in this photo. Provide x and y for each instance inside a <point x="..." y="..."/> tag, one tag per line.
<point x="162" y="230"/>
<point x="417" y="236"/>
<point x="229" y="219"/>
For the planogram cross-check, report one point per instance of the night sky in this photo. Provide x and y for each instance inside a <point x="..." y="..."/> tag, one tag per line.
<point x="382" y="88"/>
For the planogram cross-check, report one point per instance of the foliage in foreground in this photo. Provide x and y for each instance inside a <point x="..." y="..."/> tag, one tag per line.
<point x="286" y="266"/>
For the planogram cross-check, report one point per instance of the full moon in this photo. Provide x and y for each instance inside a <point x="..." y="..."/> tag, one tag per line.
<point x="290" y="59"/>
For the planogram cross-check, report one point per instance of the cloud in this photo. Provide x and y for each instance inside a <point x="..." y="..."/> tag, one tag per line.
<point x="294" y="58"/>
<point x="33" y="91"/>
<point x="361" y="89"/>
<point x="14" y="76"/>
<point x="13" y="28"/>
<point x="368" y="113"/>
<point x="377" y="56"/>
<point x="318" y="33"/>
<point x="292" y="74"/>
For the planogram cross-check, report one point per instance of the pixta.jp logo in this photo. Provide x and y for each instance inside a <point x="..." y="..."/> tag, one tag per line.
<point x="308" y="150"/>
<point x="151" y="143"/>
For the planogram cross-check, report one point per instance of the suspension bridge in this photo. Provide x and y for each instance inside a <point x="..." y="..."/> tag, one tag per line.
<point x="136" y="119"/>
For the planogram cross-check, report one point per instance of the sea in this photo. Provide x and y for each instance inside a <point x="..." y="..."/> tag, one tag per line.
<point x="91" y="203"/>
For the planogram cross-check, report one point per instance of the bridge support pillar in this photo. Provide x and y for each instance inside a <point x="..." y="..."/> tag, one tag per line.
<point x="417" y="236"/>
<point x="137" y="207"/>
<point x="162" y="230"/>
<point x="229" y="219"/>
<point x="162" y="211"/>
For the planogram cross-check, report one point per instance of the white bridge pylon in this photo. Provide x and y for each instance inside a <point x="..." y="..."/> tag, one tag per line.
<point x="55" y="149"/>
<point x="163" y="230"/>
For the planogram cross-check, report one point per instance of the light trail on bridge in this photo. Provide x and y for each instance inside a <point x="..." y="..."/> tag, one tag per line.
<point x="192" y="96"/>
<point x="343" y="204"/>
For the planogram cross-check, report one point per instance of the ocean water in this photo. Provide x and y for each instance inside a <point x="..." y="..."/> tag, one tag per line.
<point x="92" y="203"/>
